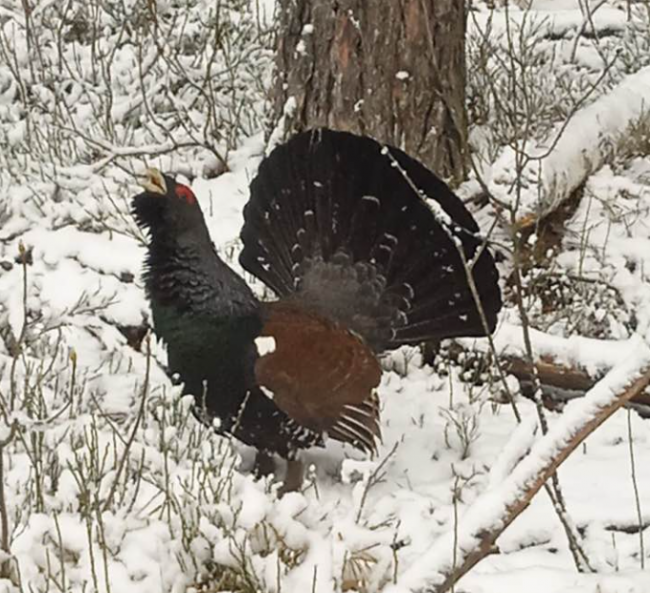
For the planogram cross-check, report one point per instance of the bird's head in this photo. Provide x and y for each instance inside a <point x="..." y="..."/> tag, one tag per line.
<point x="166" y="207"/>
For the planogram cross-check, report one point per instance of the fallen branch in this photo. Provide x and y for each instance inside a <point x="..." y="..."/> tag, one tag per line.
<point x="594" y="357"/>
<point x="550" y="373"/>
<point x="558" y="376"/>
<point x="560" y="363"/>
<point x="583" y="146"/>
<point x="496" y="509"/>
<point x="572" y="364"/>
<point x="599" y="126"/>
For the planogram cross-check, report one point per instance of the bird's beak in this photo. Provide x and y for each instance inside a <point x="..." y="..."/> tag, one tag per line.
<point x="154" y="182"/>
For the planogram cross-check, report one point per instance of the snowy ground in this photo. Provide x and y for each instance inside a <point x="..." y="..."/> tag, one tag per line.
<point x="110" y="484"/>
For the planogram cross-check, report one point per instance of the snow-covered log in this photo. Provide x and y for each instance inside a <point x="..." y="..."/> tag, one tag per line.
<point x="584" y="145"/>
<point x="587" y="140"/>
<point x="456" y="552"/>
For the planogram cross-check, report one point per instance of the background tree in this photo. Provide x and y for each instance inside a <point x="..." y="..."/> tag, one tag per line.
<point x="391" y="69"/>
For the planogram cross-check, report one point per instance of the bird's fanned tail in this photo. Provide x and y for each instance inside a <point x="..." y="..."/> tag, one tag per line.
<point x="340" y="224"/>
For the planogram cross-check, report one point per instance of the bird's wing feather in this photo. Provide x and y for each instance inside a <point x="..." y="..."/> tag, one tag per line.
<point x="321" y="375"/>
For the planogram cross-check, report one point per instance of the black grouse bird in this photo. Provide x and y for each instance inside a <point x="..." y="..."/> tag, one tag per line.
<point x="338" y="228"/>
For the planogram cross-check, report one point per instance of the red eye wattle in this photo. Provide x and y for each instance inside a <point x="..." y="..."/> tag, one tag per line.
<point x="185" y="193"/>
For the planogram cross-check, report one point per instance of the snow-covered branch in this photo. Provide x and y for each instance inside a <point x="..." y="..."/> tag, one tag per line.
<point x="446" y="562"/>
<point x="590" y="354"/>
<point x="589" y="137"/>
<point x="580" y="147"/>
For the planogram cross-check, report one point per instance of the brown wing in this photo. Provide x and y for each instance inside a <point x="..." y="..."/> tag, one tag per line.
<point x="321" y="374"/>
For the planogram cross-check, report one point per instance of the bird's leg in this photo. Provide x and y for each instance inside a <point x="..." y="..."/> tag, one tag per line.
<point x="264" y="464"/>
<point x="294" y="476"/>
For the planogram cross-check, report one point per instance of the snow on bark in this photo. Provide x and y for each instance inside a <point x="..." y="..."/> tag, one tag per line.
<point x="465" y="544"/>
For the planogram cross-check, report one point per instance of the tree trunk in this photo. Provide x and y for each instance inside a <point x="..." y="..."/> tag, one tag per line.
<point x="390" y="69"/>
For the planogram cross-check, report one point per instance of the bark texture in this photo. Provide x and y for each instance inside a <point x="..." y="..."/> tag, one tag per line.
<point x="390" y="69"/>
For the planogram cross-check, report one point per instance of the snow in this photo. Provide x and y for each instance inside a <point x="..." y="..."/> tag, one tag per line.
<point x="582" y="144"/>
<point x="111" y="482"/>
<point x="488" y="511"/>
<point x="556" y="18"/>
<point x="585" y="75"/>
<point x="592" y="355"/>
<point x="301" y="48"/>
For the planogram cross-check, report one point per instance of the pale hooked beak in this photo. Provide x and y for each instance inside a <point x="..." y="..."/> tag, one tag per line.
<point x="154" y="182"/>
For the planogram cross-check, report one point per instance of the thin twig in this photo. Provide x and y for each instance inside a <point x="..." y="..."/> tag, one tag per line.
<point x="136" y="426"/>
<point x="374" y="478"/>
<point x="637" y="498"/>
<point x="554" y="490"/>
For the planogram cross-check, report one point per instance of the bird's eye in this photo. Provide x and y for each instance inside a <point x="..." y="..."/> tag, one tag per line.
<point x="185" y="193"/>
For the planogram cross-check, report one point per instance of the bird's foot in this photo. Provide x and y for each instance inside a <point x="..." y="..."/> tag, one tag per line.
<point x="294" y="477"/>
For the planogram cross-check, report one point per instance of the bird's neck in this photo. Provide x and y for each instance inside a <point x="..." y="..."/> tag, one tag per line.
<point x="186" y="274"/>
<point x="193" y="293"/>
<point x="199" y="306"/>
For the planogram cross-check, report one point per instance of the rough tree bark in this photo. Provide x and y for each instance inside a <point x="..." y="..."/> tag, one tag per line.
<point x="391" y="69"/>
